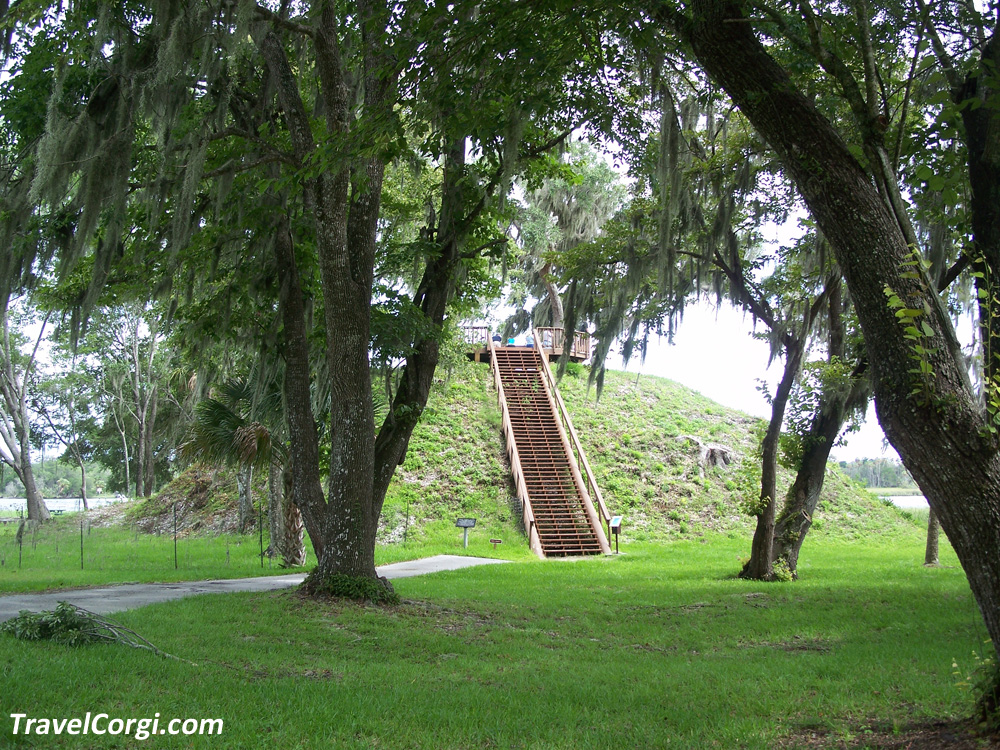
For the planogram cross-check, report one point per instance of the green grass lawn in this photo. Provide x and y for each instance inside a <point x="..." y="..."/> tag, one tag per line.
<point x="660" y="647"/>
<point x="49" y="556"/>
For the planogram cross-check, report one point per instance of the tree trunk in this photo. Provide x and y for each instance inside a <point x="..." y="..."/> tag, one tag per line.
<point x="803" y="496"/>
<point x="933" y="532"/>
<point x="83" y="484"/>
<point x="123" y="432"/>
<point x="343" y="526"/>
<point x="555" y="301"/>
<point x="244" y="484"/>
<point x="149" y="474"/>
<point x="924" y="399"/>
<point x="293" y="548"/>
<point x="275" y="492"/>
<point x="37" y="511"/>
<point x="760" y="566"/>
<point x="140" y="457"/>
<point x="15" y="427"/>
<point x="982" y="138"/>
<point x="306" y="488"/>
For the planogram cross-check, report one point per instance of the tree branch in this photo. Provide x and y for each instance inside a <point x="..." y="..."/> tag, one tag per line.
<point x="955" y="79"/>
<point x="284" y="23"/>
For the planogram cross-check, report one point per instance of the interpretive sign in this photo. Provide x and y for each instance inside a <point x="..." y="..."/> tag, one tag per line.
<point x="465" y="524"/>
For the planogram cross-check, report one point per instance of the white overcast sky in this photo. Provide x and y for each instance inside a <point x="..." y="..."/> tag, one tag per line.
<point x="714" y="353"/>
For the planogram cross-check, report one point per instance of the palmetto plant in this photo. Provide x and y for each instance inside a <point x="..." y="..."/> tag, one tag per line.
<point x="226" y="429"/>
<point x="237" y="426"/>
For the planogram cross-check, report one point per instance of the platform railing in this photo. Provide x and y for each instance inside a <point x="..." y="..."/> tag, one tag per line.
<point x="581" y="458"/>
<point x="553" y="340"/>
<point x="520" y="486"/>
<point x="476" y="335"/>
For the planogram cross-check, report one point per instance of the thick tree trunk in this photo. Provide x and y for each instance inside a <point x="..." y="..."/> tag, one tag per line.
<point x="345" y="207"/>
<point x="760" y="566"/>
<point x="307" y="490"/>
<point x="924" y="400"/>
<point x="342" y="526"/>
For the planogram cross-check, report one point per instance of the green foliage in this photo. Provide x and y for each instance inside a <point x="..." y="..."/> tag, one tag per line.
<point x="339" y="586"/>
<point x="916" y="330"/>
<point x="65" y="624"/>
<point x="747" y="480"/>
<point x="982" y="678"/>
<point x="781" y="572"/>
<point x="56" y="478"/>
<point x="74" y="626"/>
<point x="987" y="689"/>
<point x="819" y="380"/>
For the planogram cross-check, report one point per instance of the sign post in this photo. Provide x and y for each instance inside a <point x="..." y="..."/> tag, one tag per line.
<point x="465" y="524"/>
<point x="616" y="525"/>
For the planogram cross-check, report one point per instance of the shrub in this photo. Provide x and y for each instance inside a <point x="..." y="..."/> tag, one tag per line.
<point x="781" y="571"/>
<point x="988" y="699"/>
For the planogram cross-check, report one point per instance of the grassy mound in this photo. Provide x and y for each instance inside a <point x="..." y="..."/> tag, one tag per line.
<point x="206" y="499"/>
<point x="641" y="440"/>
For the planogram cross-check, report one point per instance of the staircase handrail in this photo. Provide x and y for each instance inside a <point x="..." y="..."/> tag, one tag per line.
<point x="581" y="457"/>
<point x="520" y="486"/>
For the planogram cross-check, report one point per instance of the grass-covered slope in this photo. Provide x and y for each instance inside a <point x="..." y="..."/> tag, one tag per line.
<point x="637" y="439"/>
<point x="641" y="440"/>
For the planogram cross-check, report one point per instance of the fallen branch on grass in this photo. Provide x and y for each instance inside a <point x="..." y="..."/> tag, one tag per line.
<point x="76" y="626"/>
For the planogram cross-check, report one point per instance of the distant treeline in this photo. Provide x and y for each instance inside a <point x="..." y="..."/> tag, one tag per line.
<point x="878" y="472"/>
<point x="55" y="478"/>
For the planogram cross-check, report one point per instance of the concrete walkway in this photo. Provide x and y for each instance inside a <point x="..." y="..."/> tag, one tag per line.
<point x="131" y="595"/>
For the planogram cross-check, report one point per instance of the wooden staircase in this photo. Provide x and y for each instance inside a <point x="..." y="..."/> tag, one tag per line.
<point x="559" y="513"/>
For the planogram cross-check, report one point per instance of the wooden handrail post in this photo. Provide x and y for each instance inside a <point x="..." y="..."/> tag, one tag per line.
<point x="520" y="486"/>
<point x="588" y="488"/>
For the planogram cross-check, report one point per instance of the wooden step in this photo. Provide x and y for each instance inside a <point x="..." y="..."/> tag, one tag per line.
<point x="560" y="519"/>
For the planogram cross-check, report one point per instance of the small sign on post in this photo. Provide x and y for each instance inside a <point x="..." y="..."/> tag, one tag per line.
<point x="615" y="524"/>
<point x="495" y="542"/>
<point x="465" y="524"/>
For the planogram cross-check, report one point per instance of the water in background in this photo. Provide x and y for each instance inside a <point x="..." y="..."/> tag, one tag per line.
<point x="66" y="504"/>
<point x="908" y="501"/>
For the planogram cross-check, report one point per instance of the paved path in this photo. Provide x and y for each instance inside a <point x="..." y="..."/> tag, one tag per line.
<point x="131" y="595"/>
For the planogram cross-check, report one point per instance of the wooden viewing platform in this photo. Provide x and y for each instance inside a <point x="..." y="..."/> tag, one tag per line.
<point x="552" y="341"/>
